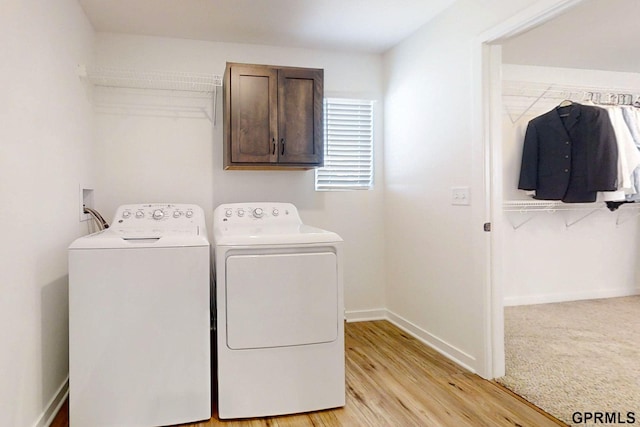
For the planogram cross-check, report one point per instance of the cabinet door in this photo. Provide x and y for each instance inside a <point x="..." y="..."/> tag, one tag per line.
<point x="254" y="118"/>
<point x="300" y="93"/>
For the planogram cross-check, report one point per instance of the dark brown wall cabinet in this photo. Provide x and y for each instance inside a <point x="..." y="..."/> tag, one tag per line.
<point x="272" y="117"/>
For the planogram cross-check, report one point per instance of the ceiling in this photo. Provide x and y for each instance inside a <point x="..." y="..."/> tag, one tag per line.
<point x="354" y="25"/>
<point x="595" y="34"/>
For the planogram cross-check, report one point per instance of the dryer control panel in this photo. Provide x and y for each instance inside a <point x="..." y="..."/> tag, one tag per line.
<point x="252" y="213"/>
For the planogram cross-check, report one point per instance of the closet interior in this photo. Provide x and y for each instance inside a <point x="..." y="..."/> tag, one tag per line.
<point x="551" y="251"/>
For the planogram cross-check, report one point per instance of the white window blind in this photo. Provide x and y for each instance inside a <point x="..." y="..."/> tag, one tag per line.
<point x="348" y="155"/>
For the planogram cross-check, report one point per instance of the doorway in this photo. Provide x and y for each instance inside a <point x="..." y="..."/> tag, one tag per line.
<point x="495" y="47"/>
<point x="489" y="88"/>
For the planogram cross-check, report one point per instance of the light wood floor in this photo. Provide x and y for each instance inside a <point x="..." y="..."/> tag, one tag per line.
<point x="395" y="380"/>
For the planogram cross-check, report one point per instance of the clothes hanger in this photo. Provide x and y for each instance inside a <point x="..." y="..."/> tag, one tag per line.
<point x="611" y="99"/>
<point x="562" y="110"/>
<point x="625" y="99"/>
<point x="597" y="98"/>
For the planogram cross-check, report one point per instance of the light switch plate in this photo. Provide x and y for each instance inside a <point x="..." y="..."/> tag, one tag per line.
<point x="460" y="196"/>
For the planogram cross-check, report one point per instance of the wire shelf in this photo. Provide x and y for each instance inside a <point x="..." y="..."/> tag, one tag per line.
<point x="557" y="91"/>
<point x="525" y="211"/>
<point x="521" y="99"/>
<point x="161" y="80"/>
<point x="546" y="205"/>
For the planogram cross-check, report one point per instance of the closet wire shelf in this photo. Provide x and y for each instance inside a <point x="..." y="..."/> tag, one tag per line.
<point x="544" y="206"/>
<point x="189" y="84"/>
<point x="161" y="80"/>
<point x="577" y="211"/>
<point x="520" y="97"/>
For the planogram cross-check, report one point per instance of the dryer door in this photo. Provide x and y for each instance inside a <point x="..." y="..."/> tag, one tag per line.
<point x="277" y="300"/>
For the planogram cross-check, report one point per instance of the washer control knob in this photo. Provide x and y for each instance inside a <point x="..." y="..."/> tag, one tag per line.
<point x="275" y="212"/>
<point x="228" y="213"/>
<point x="139" y="214"/>
<point x="126" y="214"/>
<point x="258" y="212"/>
<point x="189" y="214"/>
<point x="177" y="214"/>
<point x="158" y="214"/>
<point x="240" y="212"/>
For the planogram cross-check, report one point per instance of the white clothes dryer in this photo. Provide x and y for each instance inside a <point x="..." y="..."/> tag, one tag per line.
<point x="279" y="314"/>
<point x="139" y="319"/>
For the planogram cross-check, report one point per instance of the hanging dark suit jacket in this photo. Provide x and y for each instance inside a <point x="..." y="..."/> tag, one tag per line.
<point x="570" y="158"/>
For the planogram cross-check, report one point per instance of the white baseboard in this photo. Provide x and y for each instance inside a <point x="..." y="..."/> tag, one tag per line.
<point x="54" y="405"/>
<point x="366" y="315"/>
<point x="447" y="350"/>
<point x="569" y="296"/>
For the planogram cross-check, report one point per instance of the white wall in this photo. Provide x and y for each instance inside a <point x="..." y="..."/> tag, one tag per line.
<point x="45" y="153"/>
<point x="144" y="157"/>
<point x="434" y="280"/>
<point x="544" y="259"/>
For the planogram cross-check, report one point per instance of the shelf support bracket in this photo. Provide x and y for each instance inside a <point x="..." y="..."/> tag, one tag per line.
<point x="581" y="217"/>
<point x="529" y="216"/>
<point x="542" y="95"/>
<point x="619" y="220"/>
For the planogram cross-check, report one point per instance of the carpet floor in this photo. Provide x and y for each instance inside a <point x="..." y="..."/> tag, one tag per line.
<point x="581" y="356"/>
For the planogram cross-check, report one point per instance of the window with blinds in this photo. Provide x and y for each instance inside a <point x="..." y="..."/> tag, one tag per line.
<point x="348" y="155"/>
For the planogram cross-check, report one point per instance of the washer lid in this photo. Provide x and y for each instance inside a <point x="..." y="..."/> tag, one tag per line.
<point x="243" y="235"/>
<point x="136" y="239"/>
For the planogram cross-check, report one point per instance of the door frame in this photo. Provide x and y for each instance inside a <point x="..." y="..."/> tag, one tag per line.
<point x="487" y="170"/>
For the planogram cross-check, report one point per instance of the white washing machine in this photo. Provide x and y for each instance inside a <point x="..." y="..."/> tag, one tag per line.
<point x="139" y="320"/>
<point x="279" y="314"/>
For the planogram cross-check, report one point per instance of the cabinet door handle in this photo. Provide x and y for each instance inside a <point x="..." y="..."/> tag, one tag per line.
<point x="274" y="146"/>
<point x="282" y="144"/>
